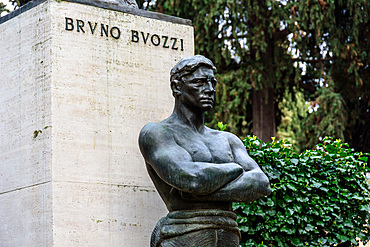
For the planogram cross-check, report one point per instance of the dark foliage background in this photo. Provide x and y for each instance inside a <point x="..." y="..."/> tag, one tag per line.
<point x="268" y="51"/>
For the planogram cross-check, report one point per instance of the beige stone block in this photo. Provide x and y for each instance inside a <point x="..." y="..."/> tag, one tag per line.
<point x="92" y="214"/>
<point x="25" y="100"/>
<point x="26" y="216"/>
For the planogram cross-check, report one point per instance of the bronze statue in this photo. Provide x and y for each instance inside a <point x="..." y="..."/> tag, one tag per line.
<point x="198" y="171"/>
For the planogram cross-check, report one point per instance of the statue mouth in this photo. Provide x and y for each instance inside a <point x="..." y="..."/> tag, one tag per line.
<point x="206" y="100"/>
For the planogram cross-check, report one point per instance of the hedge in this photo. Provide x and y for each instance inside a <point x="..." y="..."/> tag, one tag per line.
<point x="319" y="197"/>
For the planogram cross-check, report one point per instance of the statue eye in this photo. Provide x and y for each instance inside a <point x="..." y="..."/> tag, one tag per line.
<point x="199" y="82"/>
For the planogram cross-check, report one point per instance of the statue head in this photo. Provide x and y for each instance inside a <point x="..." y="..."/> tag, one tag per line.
<point x="188" y="65"/>
<point x="193" y="82"/>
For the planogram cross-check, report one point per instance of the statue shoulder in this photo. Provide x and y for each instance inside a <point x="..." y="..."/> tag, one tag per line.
<point x="231" y="138"/>
<point x="154" y="132"/>
<point x="154" y="138"/>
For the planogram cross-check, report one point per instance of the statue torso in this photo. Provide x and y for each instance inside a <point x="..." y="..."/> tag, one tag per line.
<point x="208" y="146"/>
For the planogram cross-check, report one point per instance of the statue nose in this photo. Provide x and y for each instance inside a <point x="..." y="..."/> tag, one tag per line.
<point x="210" y="88"/>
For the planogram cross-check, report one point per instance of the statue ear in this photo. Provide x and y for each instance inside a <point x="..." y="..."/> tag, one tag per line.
<point x="176" y="87"/>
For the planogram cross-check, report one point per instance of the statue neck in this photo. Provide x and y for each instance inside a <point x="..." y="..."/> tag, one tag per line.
<point x="191" y="117"/>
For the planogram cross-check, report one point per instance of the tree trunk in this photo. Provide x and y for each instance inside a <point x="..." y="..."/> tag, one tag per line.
<point x="263" y="104"/>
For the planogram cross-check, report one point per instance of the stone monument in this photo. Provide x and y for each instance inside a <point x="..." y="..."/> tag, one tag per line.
<point x="79" y="79"/>
<point x="198" y="171"/>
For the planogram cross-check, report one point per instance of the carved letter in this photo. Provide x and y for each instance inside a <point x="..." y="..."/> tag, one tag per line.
<point x="80" y="25"/>
<point x="174" y="43"/>
<point x="69" y="24"/>
<point x="182" y="44"/>
<point x="105" y="29"/>
<point x="134" y="36"/>
<point x="165" y="42"/>
<point x="145" y="38"/>
<point x="92" y="28"/>
<point x="118" y="32"/>
<point x="158" y="39"/>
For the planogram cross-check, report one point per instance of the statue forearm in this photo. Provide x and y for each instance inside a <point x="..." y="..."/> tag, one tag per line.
<point x="199" y="178"/>
<point x="248" y="187"/>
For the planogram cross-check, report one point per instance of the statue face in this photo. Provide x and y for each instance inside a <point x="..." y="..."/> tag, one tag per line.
<point x="198" y="89"/>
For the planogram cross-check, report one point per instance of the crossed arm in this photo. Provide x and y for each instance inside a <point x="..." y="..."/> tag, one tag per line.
<point x="241" y="180"/>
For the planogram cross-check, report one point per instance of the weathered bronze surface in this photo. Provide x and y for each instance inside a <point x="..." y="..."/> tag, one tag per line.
<point x="198" y="171"/>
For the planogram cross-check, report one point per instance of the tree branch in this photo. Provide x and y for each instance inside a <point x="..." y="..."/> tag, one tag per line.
<point x="313" y="60"/>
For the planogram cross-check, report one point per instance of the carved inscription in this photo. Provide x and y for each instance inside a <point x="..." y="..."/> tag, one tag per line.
<point x="104" y="30"/>
<point x="156" y="40"/>
<point x="81" y="26"/>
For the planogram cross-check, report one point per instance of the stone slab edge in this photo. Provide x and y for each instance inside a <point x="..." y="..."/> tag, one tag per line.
<point x="104" y="5"/>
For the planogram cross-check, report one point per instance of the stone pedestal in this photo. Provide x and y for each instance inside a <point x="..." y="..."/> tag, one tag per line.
<point x="78" y="82"/>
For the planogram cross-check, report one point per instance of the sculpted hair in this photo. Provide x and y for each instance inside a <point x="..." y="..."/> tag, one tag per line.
<point x="188" y="65"/>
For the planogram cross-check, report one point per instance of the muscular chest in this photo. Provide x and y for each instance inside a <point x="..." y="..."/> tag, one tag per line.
<point x="205" y="148"/>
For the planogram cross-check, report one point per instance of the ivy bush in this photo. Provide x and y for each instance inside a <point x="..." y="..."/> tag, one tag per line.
<point x="319" y="197"/>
